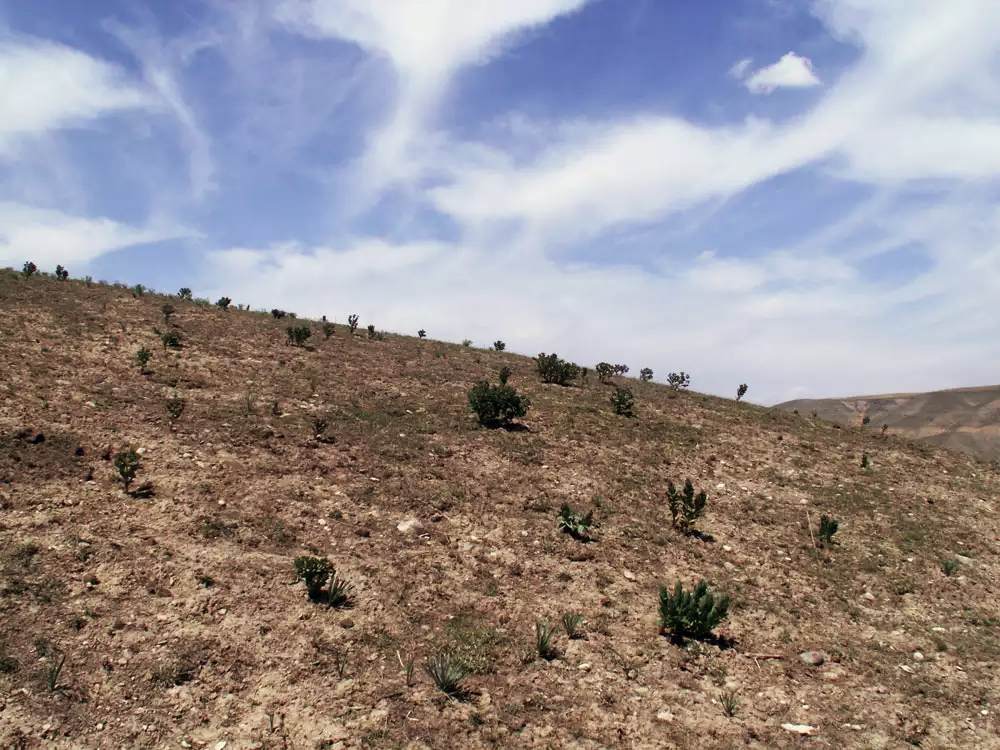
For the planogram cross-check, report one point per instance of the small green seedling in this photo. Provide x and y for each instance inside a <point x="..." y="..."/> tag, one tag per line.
<point x="577" y="525"/>
<point x="126" y="466"/>
<point x="686" y="507"/>
<point x="142" y="357"/>
<point x="827" y="528"/>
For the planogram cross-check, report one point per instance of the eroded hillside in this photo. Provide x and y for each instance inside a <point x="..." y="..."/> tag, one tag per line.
<point x="181" y="621"/>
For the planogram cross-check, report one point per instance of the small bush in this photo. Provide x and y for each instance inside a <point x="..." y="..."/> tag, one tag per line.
<point x="61" y="273"/>
<point x="729" y="702"/>
<point x="685" y="506"/>
<point x="577" y="525"/>
<point x="371" y="331"/>
<point x="175" y="407"/>
<point x="298" y="334"/>
<point x="142" y="357"/>
<point x="865" y="463"/>
<point x="950" y="567"/>
<point x="505" y="374"/>
<point x="338" y="592"/>
<point x="543" y="640"/>
<point x="170" y="339"/>
<point x="678" y="380"/>
<point x="328" y="330"/>
<point x="692" y="614"/>
<point x="623" y="401"/>
<point x="278" y="314"/>
<point x="865" y="420"/>
<point x="499" y="346"/>
<point x="571" y="624"/>
<point x="827" y="528"/>
<point x="167" y="311"/>
<point x="645" y="374"/>
<point x="741" y="391"/>
<point x="29" y="269"/>
<point x="466" y="342"/>
<point x="885" y="428"/>
<point x="138" y="290"/>
<point x="352" y="322"/>
<point x="605" y="370"/>
<point x="126" y="466"/>
<point x="421" y="334"/>
<point x="223" y="303"/>
<point x="620" y="369"/>
<point x="447" y="674"/>
<point x="314" y="572"/>
<point x="185" y="294"/>
<point x="555" y="370"/>
<point x="497" y="405"/>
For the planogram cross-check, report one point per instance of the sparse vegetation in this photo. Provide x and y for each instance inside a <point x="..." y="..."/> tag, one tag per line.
<point x="167" y="311"/>
<point x="950" y="566"/>
<point x="686" y="507"/>
<point x="352" y="323"/>
<point x="278" y="314"/>
<point x="827" y="528"/>
<point x="142" y="356"/>
<point x="186" y="294"/>
<point x="575" y="524"/>
<point x="571" y="622"/>
<point x="620" y="369"/>
<point x="138" y="290"/>
<point x="371" y="331"/>
<point x="543" y="640"/>
<point x="127" y="464"/>
<point x="741" y="391"/>
<point x="61" y="273"/>
<point x="552" y="369"/>
<point x="467" y="342"/>
<point x="298" y="335"/>
<point x="645" y="374"/>
<point x="447" y="674"/>
<point x="885" y="428"/>
<point x="499" y="346"/>
<point x="314" y="572"/>
<point x="421" y="334"/>
<point x="678" y="380"/>
<point x="605" y="371"/>
<point x="29" y="269"/>
<point x="171" y="340"/>
<point x="497" y="405"/>
<point x="865" y="463"/>
<point x="175" y="407"/>
<point x="623" y="401"/>
<point x="729" y="701"/>
<point x="865" y="420"/>
<point x="693" y="614"/>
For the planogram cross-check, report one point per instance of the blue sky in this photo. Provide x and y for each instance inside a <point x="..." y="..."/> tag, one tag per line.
<point x="797" y="195"/>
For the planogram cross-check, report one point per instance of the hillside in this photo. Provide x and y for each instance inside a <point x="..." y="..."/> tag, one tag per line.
<point x="962" y="419"/>
<point x="182" y="623"/>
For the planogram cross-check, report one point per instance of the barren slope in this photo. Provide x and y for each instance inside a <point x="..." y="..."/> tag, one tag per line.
<point x="182" y="623"/>
<point x="963" y="419"/>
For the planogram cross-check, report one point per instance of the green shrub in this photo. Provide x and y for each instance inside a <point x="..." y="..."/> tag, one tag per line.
<point x="127" y="465"/>
<point x="421" y="334"/>
<point x="447" y="674"/>
<point x="729" y="701"/>
<point x="338" y="592"/>
<point x="865" y="463"/>
<point x="170" y="339"/>
<point x="620" y="369"/>
<point x="577" y="525"/>
<point x="692" y="614"/>
<point x="223" y="303"/>
<point x="186" y="294"/>
<point x="175" y="407"/>
<point x="314" y="571"/>
<point x="571" y="624"/>
<point x="371" y="331"/>
<point x="645" y="374"/>
<point x="741" y="391"/>
<point x="950" y="567"/>
<point x="167" y="311"/>
<point x="497" y="405"/>
<point x="623" y="401"/>
<point x="61" y="273"/>
<point x="827" y="528"/>
<point x="505" y="373"/>
<point x="352" y="322"/>
<point x="328" y="329"/>
<point x="685" y="506"/>
<point x="138" y="290"/>
<point x="678" y="380"/>
<point x="555" y="370"/>
<point x="298" y="334"/>
<point x="499" y="346"/>
<point x="142" y="357"/>
<point x="543" y="640"/>
<point x="605" y="370"/>
<point x="278" y="314"/>
<point x="29" y="269"/>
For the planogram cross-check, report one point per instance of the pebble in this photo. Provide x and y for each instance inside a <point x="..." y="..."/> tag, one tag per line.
<point x="813" y="658"/>
<point x="585" y="667"/>
<point x="666" y="717"/>
<point x="629" y="575"/>
<point x="917" y="656"/>
<point x="869" y="596"/>
<point x="410" y="526"/>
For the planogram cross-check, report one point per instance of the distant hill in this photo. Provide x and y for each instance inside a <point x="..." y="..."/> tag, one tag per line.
<point x="963" y="419"/>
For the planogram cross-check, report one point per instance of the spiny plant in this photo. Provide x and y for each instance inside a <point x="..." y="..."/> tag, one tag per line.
<point x="741" y="391"/>
<point x="167" y="311"/>
<point x="499" y="346"/>
<point x="693" y="614"/>
<point x="352" y="322"/>
<point x="827" y="528"/>
<point x="577" y="525"/>
<point x="645" y="374"/>
<point x="623" y="401"/>
<point x="223" y="303"/>
<point x="605" y="370"/>
<point x="447" y="674"/>
<point x="185" y="293"/>
<point x="497" y="405"/>
<point x="678" y="380"/>
<point x="29" y="269"/>
<point x="371" y="331"/>
<point x="571" y="622"/>
<point x="620" y="369"/>
<point x="685" y="506"/>
<point x="171" y="339"/>
<point x="55" y="672"/>
<point x="314" y="572"/>
<point x="328" y="329"/>
<point x="298" y="334"/>
<point x="127" y="463"/>
<point x="950" y="566"/>
<point x="338" y="591"/>
<point x="421" y="334"/>
<point x="554" y="370"/>
<point x="61" y="273"/>
<point x="543" y="640"/>
<point x="142" y="357"/>
<point x="865" y="463"/>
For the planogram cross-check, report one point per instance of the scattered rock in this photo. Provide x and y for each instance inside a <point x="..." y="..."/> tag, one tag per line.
<point x="799" y="728"/>
<point x="666" y="717"/>
<point x="347" y="623"/>
<point x="410" y="526"/>
<point x="629" y="575"/>
<point x="869" y="596"/>
<point x="917" y="656"/>
<point x="363" y="532"/>
<point x="813" y="658"/>
<point x="585" y="667"/>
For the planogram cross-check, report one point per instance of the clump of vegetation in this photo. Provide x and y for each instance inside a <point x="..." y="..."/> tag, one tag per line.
<point x="950" y="567"/>
<point x="623" y="401"/>
<point x="693" y="614"/>
<point x="605" y="370"/>
<point x="466" y="342"/>
<point x="741" y="391"/>
<point x="317" y="571"/>
<point x="352" y="322"/>
<point x="447" y="674"/>
<point x="543" y="640"/>
<point x="186" y="294"/>
<point x="865" y="463"/>
<point x="29" y="269"/>
<point x="171" y="339"/>
<point x="571" y="622"/>
<point x="620" y="369"/>
<point x="142" y="357"/>
<point x="328" y="329"/>
<point x="278" y="314"/>
<point x="127" y="464"/>
<point x="729" y="702"/>
<point x="298" y="334"/>
<point x="678" y="380"/>
<point x="577" y="525"/>
<point x="175" y="407"/>
<point x="61" y="273"/>
<point x="497" y="405"/>
<point x="686" y="507"/>
<point x="555" y="370"/>
<point x="827" y="528"/>
<point x="138" y="290"/>
<point x="499" y="346"/>
<point x="421" y="334"/>
<point x="371" y="331"/>
<point x="223" y="303"/>
<point x="645" y="374"/>
<point x="167" y="311"/>
<point x="885" y="428"/>
<point x="865" y="420"/>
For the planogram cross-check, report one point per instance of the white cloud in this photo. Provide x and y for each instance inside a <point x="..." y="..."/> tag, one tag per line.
<point x="791" y="71"/>
<point x="740" y="68"/>
<point x="48" y="86"/>
<point x="48" y="237"/>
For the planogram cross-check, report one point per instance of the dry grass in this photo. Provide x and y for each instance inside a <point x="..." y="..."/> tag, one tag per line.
<point x="182" y="621"/>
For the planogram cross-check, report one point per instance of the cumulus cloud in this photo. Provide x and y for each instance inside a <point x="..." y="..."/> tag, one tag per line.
<point x="791" y="71"/>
